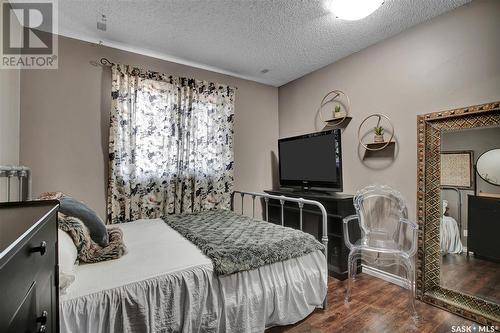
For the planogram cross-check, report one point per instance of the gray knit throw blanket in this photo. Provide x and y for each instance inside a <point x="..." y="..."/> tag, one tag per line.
<point x="88" y="250"/>
<point x="237" y="243"/>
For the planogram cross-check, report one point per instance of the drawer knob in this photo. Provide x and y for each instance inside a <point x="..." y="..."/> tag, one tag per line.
<point x="42" y="248"/>
<point x="43" y="318"/>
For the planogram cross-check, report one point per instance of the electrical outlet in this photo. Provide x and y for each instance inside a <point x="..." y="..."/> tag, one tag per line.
<point x="101" y="26"/>
<point x="101" y="22"/>
<point x="465" y="232"/>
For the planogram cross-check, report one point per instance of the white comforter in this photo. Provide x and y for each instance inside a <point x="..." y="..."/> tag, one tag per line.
<point x="166" y="284"/>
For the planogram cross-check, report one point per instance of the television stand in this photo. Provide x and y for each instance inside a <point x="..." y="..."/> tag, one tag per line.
<point x="337" y="205"/>
<point x="308" y="192"/>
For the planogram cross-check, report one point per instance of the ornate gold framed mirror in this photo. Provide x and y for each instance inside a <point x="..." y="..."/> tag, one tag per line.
<point x="454" y="270"/>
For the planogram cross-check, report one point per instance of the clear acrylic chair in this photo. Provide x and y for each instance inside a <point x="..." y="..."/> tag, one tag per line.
<point x="387" y="236"/>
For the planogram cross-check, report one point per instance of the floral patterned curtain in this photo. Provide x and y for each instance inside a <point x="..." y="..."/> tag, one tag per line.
<point x="170" y="145"/>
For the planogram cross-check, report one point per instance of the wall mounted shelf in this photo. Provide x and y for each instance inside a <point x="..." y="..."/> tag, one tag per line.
<point x="378" y="151"/>
<point x="337" y="123"/>
<point x="339" y="103"/>
<point x="380" y="145"/>
<point x="388" y="145"/>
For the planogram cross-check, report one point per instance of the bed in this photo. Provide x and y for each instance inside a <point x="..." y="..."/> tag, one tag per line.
<point x="167" y="284"/>
<point x="449" y="233"/>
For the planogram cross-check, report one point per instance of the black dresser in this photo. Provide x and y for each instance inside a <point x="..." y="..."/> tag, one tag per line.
<point x="337" y="207"/>
<point x="28" y="267"/>
<point x="483" y="227"/>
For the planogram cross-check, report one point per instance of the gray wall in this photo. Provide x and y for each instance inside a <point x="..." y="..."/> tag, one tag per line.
<point x="479" y="141"/>
<point x="450" y="61"/>
<point x="9" y="116"/>
<point x="10" y="86"/>
<point x="64" y="122"/>
<point x="9" y="126"/>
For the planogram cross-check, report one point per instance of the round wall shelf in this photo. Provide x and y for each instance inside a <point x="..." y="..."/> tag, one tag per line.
<point x="376" y="146"/>
<point x="338" y="105"/>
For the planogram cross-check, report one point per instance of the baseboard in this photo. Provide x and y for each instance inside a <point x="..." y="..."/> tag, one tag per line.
<point x="389" y="277"/>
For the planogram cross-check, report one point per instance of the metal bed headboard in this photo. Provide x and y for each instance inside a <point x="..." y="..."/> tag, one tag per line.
<point x="15" y="178"/>
<point x="457" y="190"/>
<point x="282" y="199"/>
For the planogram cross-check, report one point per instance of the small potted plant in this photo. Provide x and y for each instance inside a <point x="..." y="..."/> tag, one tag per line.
<point x="338" y="112"/>
<point x="379" y="134"/>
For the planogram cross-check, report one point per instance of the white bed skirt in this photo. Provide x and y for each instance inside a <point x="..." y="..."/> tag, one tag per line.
<point x="450" y="236"/>
<point x="196" y="300"/>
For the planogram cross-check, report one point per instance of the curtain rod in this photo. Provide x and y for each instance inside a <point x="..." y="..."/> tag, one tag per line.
<point x="105" y="62"/>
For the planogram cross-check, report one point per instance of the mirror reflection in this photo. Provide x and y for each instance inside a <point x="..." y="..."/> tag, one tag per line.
<point x="470" y="221"/>
<point x="488" y="166"/>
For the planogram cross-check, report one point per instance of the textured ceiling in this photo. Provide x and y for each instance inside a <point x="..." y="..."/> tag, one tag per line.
<point x="290" y="38"/>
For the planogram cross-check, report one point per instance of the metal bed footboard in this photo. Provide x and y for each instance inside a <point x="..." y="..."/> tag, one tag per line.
<point x="282" y="199"/>
<point x="459" y="193"/>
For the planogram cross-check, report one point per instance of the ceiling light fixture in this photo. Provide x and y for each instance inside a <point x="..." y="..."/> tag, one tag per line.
<point x="352" y="10"/>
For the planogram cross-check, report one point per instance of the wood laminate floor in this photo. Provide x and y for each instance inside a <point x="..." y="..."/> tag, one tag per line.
<point x="376" y="306"/>
<point x="470" y="275"/>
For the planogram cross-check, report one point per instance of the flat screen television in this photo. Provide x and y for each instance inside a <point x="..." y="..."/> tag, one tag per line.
<point x="311" y="160"/>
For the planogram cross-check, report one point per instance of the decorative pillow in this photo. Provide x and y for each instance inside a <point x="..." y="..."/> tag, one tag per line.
<point x="71" y="207"/>
<point x="88" y="250"/>
<point x="67" y="259"/>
